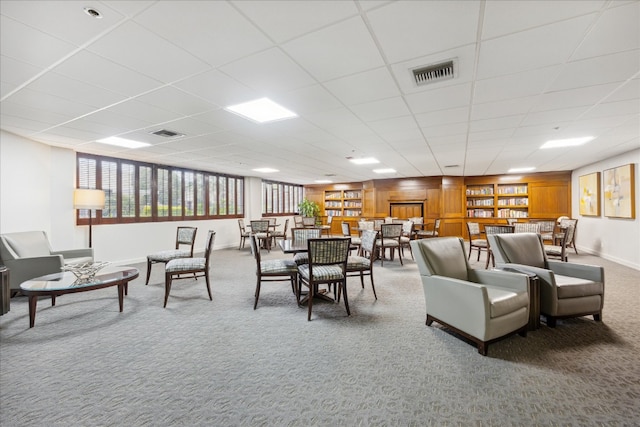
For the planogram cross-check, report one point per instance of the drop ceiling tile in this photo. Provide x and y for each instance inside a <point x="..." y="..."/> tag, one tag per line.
<point x="269" y="71"/>
<point x="326" y="56"/>
<point x="45" y="116"/>
<point x="285" y="20"/>
<point x="212" y="31"/>
<point x="608" y="109"/>
<point x="310" y="99"/>
<point x="381" y="109"/>
<point x="217" y="88"/>
<point x="529" y="50"/>
<point x="628" y="90"/>
<point x="445" y="130"/>
<point x="506" y="17"/>
<point x="16" y="72"/>
<point x="340" y="117"/>
<point x="452" y="23"/>
<point x="357" y="88"/>
<point x="617" y="30"/>
<point x="141" y="111"/>
<point x="439" y="99"/>
<point x="175" y="100"/>
<point x="573" y="98"/>
<point x="36" y="47"/>
<point x="617" y="67"/>
<point x="507" y="122"/>
<point x="515" y="85"/>
<point x="45" y="101"/>
<point x="553" y="117"/>
<point x="150" y="55"/>
<point x="101" y="72"/>
<point x="74" y="90"/>
<point x="491" y="110"/>
<point x="443" y="117"/>
<point x="24" y="125"/>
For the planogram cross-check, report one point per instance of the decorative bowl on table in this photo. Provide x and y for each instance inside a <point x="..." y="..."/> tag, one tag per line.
<point x="85" y="270"/>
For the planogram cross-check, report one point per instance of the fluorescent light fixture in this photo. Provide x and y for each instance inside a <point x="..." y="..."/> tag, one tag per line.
<point x="122" y="142"/>
<point x="570" y="142"/>
<point x="388" y="170"/>
<point x="364" y="161"/>
<point x="323" y="181"/>
<point x="266" y="170"/>
<point x="261" y="110"/>
<point x="519" y="170"/>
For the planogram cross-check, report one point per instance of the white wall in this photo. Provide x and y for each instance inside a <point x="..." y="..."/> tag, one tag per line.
<point x="615" y="239"/>
<point x="36" y="193"/>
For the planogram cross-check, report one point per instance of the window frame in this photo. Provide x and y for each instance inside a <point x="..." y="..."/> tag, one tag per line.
<point x="280" y="198"/>
<point x="89" y="175"/>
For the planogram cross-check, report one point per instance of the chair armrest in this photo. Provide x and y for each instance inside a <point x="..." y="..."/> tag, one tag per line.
<point x="461" y="304"/>
<point x="583" y="271"/>
<point x="542" y="273"/>
<point x="75" y="253"/>
<point x="23" y="269"/>
<point x="514" y="281"/>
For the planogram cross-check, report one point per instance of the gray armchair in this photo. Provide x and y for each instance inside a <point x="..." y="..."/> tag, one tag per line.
<point x="28" y="255"/>
<point x="566" y="289"/>
<point x="484" y="306"/>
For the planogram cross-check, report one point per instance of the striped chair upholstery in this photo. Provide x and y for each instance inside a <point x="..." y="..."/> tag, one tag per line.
<point x="273" y="270"/>
<point x="301" y="235"/>
<point x="185" y="239"/>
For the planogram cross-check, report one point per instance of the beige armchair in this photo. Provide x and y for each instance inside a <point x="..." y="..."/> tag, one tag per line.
<point x="483" y="306"/>
<point x="566" y="289"/>
<point x="28" y="254"/>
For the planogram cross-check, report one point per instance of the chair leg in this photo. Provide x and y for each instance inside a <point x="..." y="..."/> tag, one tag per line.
<point x="148" y="271"/>
<point x="257" y="295"/>
<point x="310" y="301"/>
<point x="343" y="285"/>
<point x="206" y="278"/>
<point x="372" y="285"/>
<point x="167" y="288"/>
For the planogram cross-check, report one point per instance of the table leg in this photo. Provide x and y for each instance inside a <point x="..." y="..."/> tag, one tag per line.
<point x="121" y="295"/>
<point x="33" y="301"/>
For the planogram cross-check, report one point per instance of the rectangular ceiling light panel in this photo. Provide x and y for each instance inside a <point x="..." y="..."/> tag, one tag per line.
<point x="261" y="110"/>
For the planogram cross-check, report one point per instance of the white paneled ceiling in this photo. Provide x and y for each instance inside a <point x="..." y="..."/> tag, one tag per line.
<point x="526" y="72"/>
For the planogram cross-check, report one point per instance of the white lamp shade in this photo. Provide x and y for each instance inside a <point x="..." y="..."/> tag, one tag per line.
<point x="88" y="199"/>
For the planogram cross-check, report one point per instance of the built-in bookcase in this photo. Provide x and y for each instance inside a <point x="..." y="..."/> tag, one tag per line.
<point x="497" y="201"/>
<point x="343" y="203"/>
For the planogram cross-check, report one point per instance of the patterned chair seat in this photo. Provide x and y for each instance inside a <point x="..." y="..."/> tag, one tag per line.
<point x="301" y="258"/>
<point x="185" y="264"/>
<point x="278" y="266"/>
<point x="168" y="255"/>
<point x="358" y="262"/>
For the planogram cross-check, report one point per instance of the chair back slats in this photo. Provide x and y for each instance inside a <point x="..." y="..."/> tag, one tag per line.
<point x="328" y="251"/>
<point x="301" y="235"/>
<point x="391" y="231"/>
<point x="498" y="229"/>
<point x="259" y="226"/>
<point x="308" y="221"/>
<point x="526" y="227"/>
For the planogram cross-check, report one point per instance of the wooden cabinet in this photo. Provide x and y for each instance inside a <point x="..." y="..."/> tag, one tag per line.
<point x="346" y="203"/>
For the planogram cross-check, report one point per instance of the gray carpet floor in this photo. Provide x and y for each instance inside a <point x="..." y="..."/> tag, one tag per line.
<point x="220" y="363"/>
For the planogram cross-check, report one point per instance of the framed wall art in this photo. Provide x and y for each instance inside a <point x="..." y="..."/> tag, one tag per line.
<point x="590" y="194"/>
<point x="619" y="192"/>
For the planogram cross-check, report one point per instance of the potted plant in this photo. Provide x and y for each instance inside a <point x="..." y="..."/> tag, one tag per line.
<point x="309" y="208"/>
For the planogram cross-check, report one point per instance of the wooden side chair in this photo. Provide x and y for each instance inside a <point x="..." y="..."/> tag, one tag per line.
<point x="390" y="239"/>
<point x="476" y="241"/>
<point x="433" y="232"/>
<point x="185" y="237"/>
<point x="495" y="229"/>
<point x="362" y="264"/>
<point x="327" y="265"/>
<point x="244" y="233"/>
<point x="273" y="270"/>
<point x="302" y="235"/>
<point x="194" y="267"/>
<point x="260" y="229"/>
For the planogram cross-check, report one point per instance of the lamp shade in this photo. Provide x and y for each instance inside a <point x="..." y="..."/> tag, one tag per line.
<point x="88" y="199"/>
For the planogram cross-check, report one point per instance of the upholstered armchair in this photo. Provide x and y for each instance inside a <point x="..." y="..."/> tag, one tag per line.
<point x="483" y="306"/>
<point x="28" y="254"/>
<point x="566" y="289"/>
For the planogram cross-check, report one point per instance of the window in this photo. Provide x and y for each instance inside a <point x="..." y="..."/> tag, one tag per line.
<point x="142" y="192"/>
<point x="280" y="198"/>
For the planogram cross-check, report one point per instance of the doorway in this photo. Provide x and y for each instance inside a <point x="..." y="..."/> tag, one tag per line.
<point x="406" y="210"/>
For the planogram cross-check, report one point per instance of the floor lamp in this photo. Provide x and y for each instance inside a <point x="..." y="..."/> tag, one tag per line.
<point x="88" y="199"/>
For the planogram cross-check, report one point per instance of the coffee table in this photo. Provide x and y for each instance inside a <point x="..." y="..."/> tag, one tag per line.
<point x="66" y="283"/>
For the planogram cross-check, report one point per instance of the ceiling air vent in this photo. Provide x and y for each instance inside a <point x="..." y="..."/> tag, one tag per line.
<point x="166" y="133"/>
<point x="434" y="73"/>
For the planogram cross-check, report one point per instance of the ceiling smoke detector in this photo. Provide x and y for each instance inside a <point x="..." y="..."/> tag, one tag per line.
<point x="435" y="72"/>
<point x="166" y="133"/>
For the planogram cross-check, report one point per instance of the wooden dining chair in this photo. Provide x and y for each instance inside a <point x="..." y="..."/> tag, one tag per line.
<point x="327" y="265"/>
<point x="302" y="235"/>
<point x="362" y="264"/>
<point x="193" y="267"/>
<point x="389" y="238"/>
<point x="273" y="270"/>
<point x="260" y="229"/>
<point x="185" y="239"/>
<point x="495" y="229"/>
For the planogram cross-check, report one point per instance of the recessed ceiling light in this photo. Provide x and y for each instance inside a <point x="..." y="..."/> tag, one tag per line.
<point x="94" y="13"/>
<point x="265" y="170"/>
<point x="261" y="110"/>
<point x="570" y="142"/>
<point x="519" y="170"/>
<point x="323" y="181"/>
<point x="123" y="142"/>
<point x="387" y="170"/>
<point x="364" y="161"/>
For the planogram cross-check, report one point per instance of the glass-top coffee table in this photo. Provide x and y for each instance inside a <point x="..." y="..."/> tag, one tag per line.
<point x="66" y="283"/>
